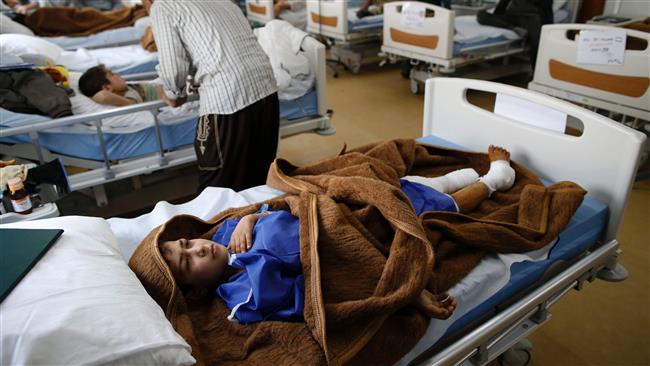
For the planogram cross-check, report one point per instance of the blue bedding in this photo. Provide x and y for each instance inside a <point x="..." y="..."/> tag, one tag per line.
<point x="365" y="23"/>
<point x="129" y="145"/>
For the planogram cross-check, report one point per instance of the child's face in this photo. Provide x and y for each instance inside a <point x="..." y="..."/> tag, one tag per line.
<point x="195" y="262"/>
<point x="115" y="82"/>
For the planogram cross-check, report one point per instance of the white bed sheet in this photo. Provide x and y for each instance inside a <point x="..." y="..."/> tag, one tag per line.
<point x="115" y="58"/>
<point x="468" y="30"/>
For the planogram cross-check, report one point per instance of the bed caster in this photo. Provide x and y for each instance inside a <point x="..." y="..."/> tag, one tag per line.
<point x="355" y="68"/>
<point x="518" y="355"/>
<point x="415" y="87"/>
<point x="329" y="131"/>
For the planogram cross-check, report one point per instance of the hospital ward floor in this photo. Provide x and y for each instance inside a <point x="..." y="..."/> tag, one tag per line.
<point x="603" y="324"/>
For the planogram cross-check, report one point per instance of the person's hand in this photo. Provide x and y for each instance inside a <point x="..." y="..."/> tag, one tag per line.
<point x="242" y="237"/>
<point x="21" y="9"/>
<point x="439" y="306"/>
<point x="174" y="102"/>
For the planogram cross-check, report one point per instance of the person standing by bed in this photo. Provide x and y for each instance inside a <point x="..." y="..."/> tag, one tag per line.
<point x="237" y="133"/>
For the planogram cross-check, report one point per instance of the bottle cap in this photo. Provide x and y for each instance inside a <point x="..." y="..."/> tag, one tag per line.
<point x="15" y="184"/>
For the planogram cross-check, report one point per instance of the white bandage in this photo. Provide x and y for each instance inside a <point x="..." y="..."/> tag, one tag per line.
<point x="449" y="183"/>
<point x="500" y="177"/>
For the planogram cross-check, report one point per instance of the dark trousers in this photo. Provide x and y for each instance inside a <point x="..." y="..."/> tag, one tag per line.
<point x="236" y="150"/>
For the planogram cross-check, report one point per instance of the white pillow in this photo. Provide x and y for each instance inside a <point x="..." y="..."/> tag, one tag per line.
<point x="21" y="44"/>
<point x="81" y="304"/>
<point x="7" y="25"/>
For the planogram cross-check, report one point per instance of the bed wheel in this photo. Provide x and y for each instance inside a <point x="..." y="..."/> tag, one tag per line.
<point x="517" y="355"/>
<point x="415" y="87"/>
<point x="355" y="67"/>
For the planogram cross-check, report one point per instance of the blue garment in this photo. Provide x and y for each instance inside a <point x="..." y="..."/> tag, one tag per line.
<point x="424" y="198"/>
<point x="271" y="284"/>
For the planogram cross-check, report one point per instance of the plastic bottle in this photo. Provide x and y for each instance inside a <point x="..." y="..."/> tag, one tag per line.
<point x="19" y="197"/>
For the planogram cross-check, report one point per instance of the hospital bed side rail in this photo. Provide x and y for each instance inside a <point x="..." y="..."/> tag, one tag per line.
<point x="514" y="323"/>
<point x="107" y="174"/>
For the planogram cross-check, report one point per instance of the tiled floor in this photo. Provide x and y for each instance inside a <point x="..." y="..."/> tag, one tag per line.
<point x="604" y="324"/>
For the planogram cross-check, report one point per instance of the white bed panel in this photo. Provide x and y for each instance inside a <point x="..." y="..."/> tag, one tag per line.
<point x="315" y="53"/>
<point x="441" y="25"/>
<point x="328" y="17"/>
<point x="556" y="47"/>
<point x="259" y="10"/>
<point x="596" y="160"/>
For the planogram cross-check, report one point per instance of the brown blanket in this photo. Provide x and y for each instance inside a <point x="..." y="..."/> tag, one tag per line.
<point x="365" y="255"/>
<point x="77" y="22"/>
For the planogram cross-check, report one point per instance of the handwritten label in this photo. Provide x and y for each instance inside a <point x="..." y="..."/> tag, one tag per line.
<point x="413" y="15"/>
<point x="601" y="47"/>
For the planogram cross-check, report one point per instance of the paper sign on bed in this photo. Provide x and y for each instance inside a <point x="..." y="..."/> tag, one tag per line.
<point x="413" y="16"/>
<point x="530" y="113"/>
<point x="601" y="47"/>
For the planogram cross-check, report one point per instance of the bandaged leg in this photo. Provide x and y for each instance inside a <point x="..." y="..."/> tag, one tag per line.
<point x="501" y="176"/>
<point x="448" y="183"/>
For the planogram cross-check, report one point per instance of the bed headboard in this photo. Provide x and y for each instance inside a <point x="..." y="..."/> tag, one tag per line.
<point x="434" y="38"/>
<point x="315" y="52"/>
<point x="260" y="10"/>
<point x="627" y="84"/>
<point x="327" y="16"/>
<point x="603" y="160"/>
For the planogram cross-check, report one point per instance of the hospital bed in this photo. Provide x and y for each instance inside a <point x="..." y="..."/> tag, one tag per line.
<point x="437" y="42"/>
<point x="620" y="90"/>
<point x="129" y="141"/>
<point x="354" y="41"/>
<point x="520" y="287"/>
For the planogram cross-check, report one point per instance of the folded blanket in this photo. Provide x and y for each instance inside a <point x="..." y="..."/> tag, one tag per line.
<point x="365" y="255"/>
<point x="77" y="22"/>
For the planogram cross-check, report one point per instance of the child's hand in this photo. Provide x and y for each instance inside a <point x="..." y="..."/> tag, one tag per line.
<point x="439" y="306"/>
<point x="242" y="237"/>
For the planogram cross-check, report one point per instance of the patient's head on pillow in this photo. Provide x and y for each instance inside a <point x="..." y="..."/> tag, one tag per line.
<point x="100" y="78"/>
<point x="195" y="263"/>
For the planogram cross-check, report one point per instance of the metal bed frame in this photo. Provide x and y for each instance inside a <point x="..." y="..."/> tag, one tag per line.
<point x="100" y="173"/>
<point x="440" y="60"/>
<point x="458" y="122"/>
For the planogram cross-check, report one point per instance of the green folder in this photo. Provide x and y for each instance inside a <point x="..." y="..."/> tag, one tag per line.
<point x="20" y="249"/>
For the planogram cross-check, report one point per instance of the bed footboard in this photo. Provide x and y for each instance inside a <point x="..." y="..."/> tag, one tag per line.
<point x="260" y="10"/>
<point x="433" y="37"/>
<point x="627" y="85"/>
<point x="328" y="18"/>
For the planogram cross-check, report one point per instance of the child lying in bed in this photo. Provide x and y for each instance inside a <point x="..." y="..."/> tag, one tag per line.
<point x="104" y="87"/>
<point x="265" y="250"/>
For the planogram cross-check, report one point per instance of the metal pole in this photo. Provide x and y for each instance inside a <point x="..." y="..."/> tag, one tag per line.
<point x="102" y="144"/>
